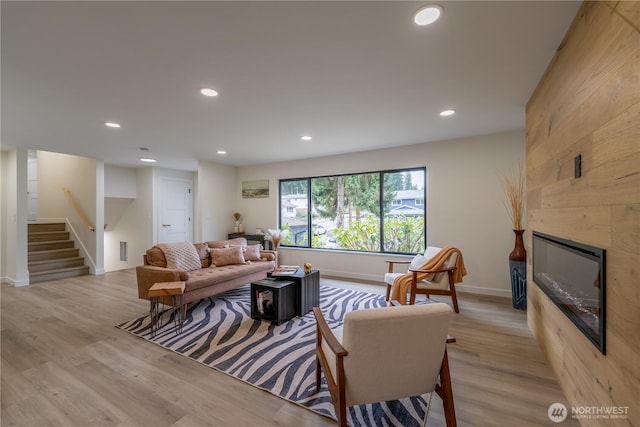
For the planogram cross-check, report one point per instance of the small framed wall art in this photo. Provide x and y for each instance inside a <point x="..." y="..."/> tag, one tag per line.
<point x="255" y="189"/>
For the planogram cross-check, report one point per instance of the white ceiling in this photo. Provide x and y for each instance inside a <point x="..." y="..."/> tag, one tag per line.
<point x="354" y="75"/>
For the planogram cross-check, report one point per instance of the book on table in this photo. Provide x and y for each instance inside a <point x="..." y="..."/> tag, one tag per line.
<point x="285" y="270"/>
<point x="264" y="300"/>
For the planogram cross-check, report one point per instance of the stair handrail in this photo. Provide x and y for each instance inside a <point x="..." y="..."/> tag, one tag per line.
<point x="78" y="210"/>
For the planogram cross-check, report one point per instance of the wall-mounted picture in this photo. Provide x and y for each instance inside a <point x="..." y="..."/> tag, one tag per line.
<point x="255" y="189"/>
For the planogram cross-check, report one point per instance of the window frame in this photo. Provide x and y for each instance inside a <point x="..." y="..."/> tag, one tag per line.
<point x="381" y="213"/>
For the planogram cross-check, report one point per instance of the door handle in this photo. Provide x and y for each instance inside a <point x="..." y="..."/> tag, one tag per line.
<point x="166" y="225"/>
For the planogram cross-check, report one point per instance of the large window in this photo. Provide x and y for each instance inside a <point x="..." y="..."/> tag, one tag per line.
<point x="370" y="212"/>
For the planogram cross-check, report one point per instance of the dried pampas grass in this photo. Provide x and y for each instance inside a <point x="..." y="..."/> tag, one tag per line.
<point x="514" y="191"/>
<point x="276" y="236"/>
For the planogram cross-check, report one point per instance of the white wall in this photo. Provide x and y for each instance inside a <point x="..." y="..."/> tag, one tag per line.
<point x="216" y="201"/>
<point x="135" y="226"/>
<point x="464" y="205"/>
<point x="98" y="235"/>
<point x="3" y="215"/>
<point x="120" y="182"/>
<point x="14" y="217"/>
<point x="120" y="189"/>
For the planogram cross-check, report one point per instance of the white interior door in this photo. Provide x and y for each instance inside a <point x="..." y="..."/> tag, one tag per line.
<point x="175" y="204"/>
<point x="32" y="188"/>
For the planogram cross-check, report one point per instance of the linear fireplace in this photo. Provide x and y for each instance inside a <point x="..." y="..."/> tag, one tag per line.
<point x="573" y="277"/>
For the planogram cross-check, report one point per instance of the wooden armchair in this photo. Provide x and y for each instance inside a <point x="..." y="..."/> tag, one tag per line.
<point x="383" y="354"/>
<point x="441" y="283"/>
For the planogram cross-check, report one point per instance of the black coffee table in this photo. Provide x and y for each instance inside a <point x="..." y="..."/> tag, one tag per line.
<point x="273" y="300"/>
<point x="307" y="286"/>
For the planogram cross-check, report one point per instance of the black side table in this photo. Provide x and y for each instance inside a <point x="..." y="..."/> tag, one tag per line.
<point x="273" y="300"/>
<point x="308" y="289"/>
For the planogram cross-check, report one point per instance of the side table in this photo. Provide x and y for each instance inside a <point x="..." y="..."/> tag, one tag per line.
<point x="273" y="300"/>
<point x="157" y="294"/>
<point x="308" y="289"/>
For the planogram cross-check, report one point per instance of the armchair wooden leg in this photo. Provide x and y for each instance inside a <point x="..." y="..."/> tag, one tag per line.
<point x="445" y="391"/>
<point x="454" y="298"/>
<point x="318" y="374"/>
<point x="342" y="417"/>
<point x="412" y="301"/>
<point x="388" y="295"/>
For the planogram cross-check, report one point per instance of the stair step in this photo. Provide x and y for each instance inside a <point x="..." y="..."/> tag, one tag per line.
<point x="47" y="236"/>
<point x="51" y="226"/>
<point x="51" y="254"/>
<point x="55" y="264"/>
<point x="49" y="245"/>
<point x="60" y="273"/>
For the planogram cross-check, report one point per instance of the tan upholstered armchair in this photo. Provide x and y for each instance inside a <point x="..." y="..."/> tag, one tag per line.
<point x="441" y="281"/>
<point x="387" y="353"/>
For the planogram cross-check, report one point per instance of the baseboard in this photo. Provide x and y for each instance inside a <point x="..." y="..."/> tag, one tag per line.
<point x="96" y="271"/>
<point x="16" y="283"/>
<point x="375" y="279"/>
<point x="365" y="278"/>
<point x="483" y="291"/>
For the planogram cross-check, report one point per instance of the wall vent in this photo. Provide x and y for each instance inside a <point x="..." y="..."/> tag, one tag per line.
<point x="123" y="251"/>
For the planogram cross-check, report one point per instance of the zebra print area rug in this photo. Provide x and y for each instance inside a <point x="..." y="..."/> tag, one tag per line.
<point x="220" y="333"/>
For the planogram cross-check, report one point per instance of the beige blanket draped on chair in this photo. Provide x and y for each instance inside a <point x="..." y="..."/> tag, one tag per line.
<point x="402" y="284"/>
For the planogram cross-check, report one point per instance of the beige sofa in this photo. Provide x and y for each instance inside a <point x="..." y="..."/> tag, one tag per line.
<point x="210" y="279"/>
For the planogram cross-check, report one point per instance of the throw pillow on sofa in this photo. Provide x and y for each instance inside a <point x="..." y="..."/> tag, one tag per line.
<point x="155" y="257"/>
<point x="252" y="253"/>
<point x="181" y="256"/>
<point x="203" y="253"/>
<point x="226" y="256"/>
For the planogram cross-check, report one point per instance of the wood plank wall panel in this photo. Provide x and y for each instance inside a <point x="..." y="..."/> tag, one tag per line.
<point x="588" y="103"/>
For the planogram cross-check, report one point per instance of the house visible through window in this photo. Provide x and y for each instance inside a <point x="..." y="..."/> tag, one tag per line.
<point x="368" y="212"/>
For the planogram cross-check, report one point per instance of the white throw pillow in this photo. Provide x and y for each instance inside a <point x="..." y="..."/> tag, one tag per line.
<point x="431" y="251"/>
<point x="181" y="256"/>
<point x="418" y="261"/>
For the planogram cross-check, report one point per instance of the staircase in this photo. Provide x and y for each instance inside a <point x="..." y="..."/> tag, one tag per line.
<point x="51" y="254"/>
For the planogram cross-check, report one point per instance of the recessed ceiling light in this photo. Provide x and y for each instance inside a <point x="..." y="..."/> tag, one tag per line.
<point x="147" y="160"/>
<point x="445" y="113"/>
<point x="112" y="124"/>
<point x="427" y="15"/>
<point x="209" y="92"/>
<point x="306" y="138"/>
<point x="222" y="152"/>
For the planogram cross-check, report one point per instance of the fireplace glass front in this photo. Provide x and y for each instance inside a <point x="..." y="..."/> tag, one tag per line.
<point x="573" y="277"/>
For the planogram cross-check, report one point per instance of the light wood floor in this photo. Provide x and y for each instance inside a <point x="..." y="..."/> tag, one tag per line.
<point x="65" y="364"/>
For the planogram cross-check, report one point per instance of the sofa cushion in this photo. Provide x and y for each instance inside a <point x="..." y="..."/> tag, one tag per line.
<point x="212" y="276"/>
<point x="181" y="256"/>
<point x="226" y="256"/>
